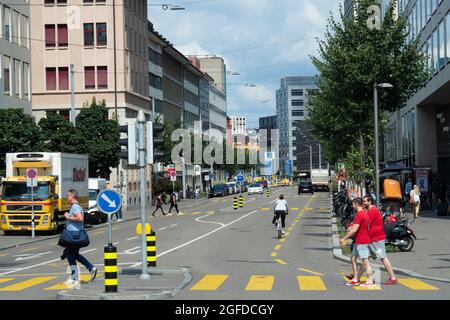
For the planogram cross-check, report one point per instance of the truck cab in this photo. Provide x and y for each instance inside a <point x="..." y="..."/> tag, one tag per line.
<point x="94" y="215"/>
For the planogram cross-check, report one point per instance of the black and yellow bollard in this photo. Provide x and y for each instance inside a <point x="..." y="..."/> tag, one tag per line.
<point x="268" y="192"/>
<point x="111" y="271"/>
<point x="235" y="203"/>
<point x="151" y="249"/>
<point x="241" y="202"/>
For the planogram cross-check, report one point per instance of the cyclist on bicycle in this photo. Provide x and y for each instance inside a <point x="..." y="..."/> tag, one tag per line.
<point x="281" y="210"/>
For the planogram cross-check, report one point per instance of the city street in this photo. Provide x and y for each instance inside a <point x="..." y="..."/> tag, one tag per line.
<point x="230" y="255"/>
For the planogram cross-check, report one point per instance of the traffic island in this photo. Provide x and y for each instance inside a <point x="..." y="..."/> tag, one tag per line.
<point x="164" y="283"/>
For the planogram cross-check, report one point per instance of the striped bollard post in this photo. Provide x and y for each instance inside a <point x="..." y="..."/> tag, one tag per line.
<point x="235" y="203"/>
<point x="151" y="249"/>
<point x="241" y="202"/>
<point x="111" y="271"/>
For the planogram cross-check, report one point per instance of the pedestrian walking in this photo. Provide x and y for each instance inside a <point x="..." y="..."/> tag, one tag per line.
<point x="73" y="238"/>
<point x="360" y="230"/>
<point x="415" y="200"/>
<point x="378" y="238"/>
<point x="197" y="194"/>
<point x="164" y="198"/>
<point x="159" y="205"/>
<point x="173" y="202"/>
<point x="280" y="210"/>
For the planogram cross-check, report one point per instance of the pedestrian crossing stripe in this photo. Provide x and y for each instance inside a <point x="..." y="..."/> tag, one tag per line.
<point x="27" y="283"/>
<point x="265" y="209"/>
<point x="2" y="280"/>
<point x="311" y="283"/>
<point x="84" y="278"/>
<point x="416" y="284"/>
<point x="260" y="283"/>
<point x="210" y="282"/>
<point x="363" y="280"/>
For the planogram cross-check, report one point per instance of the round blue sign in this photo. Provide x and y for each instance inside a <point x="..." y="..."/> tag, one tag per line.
<point x="109" y="201"/>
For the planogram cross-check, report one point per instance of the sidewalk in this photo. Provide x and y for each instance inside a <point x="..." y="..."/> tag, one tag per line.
<point x="20" y="239"/>
<point x="430" y="257"/>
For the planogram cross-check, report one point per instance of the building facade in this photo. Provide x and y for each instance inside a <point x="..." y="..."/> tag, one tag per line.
<point x="419" y="133"/>
<point x="70" y="33"/>
<point x="15" y="56"/>
<point x="268" y="124"/>
<point x="238" y="126"/>
<point x="291" y="102"/>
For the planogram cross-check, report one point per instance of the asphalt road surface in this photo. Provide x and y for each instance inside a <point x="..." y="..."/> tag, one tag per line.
<point x="230" y="254"/>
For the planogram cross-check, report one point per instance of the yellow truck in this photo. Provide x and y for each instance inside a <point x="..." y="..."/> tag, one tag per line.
<point x="57" y="173"/>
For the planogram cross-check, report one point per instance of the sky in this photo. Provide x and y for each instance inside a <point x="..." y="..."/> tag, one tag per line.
<point x="263" y="40"/>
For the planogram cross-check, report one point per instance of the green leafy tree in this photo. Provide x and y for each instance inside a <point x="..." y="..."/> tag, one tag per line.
<point x="99" y="138"/>
<point x="18" y="133"/>
<point x="351" y="59"/>
<point x="58" y="134"/>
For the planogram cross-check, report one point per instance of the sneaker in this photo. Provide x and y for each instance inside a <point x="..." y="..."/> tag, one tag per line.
<point x="353" y="283"/>
<point x="368" y="284"/>
<point x="73" y="284"/>
<point x="93" y="273"/>
<point x="391" y="282"/>
<point x="350" y="276"/>
<point x="119" y="220"/>
<point x="282" y="232"/>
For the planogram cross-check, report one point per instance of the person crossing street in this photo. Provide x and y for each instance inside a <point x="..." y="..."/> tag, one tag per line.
<point x="159" y="205"/>
<point x="173" y="202"/>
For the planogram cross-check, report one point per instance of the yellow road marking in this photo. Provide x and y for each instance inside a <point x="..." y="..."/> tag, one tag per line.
<point x="6" y="279"/>
<point x="98" y="232"/>
<point x="197" y="212"/>
<point x="277" y="247"/>
<point x="27" y="283"/>
<point x="61" y="286"/>
<point x="274" y="254"/>
<point x="265" y="209"/>
<point x="363" y="280"/>
<point x="324" y="209"/>
<point x="416" y="284"/>
<point x="283" y="240"/>
<point x="260" y="283"/>
<point x="311" y="283"/>
<point x="280" y="261"/>
<point x="294" y="209"/>
<point x="290" y="228"/>
<point x="29" y="249"/>
<point x="310" y="271"/>
<point x="308" y="209"/>
<point x="287" y="233"/>
<point x="210" y="282"/>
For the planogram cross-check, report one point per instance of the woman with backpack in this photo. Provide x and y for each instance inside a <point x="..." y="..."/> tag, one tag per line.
<point x="415" y="200"/>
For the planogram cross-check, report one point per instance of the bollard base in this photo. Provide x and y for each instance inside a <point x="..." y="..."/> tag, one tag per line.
<point x="144" y="276"/>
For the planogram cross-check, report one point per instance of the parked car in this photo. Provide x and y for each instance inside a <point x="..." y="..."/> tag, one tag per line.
<point x="233" y="187"/>
<point x="94" y="215"/>
<point x="219" y="190"/>
<point x="255" y="188"/>
<point x="305" y="186"/>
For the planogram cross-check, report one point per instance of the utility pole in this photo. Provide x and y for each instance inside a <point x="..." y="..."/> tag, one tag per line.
<point x="212" y="164"/>
<point x="72" y="94"/>
<point x="377" y="157"/>
<point x="184" y="177"/>
<point x="310" y="159"/>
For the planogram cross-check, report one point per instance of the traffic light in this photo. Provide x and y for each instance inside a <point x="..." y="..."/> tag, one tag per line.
<point x="131" y="152"/>
<point x="154" y="142"/>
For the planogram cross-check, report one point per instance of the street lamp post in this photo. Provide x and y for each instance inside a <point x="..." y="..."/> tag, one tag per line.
<point x="377" y="154"/>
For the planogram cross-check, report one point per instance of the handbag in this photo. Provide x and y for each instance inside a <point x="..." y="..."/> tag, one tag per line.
<point x="73" y="239"/>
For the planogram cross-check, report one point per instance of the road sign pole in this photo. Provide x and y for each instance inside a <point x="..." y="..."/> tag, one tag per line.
<point x="32" y="212"/>
<point x="141" y="146"/>
<point x="110" y="230"/>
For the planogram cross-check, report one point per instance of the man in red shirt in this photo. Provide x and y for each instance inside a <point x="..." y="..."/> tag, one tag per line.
<point x="378" y="238"/>
<point x="362" y="241"/>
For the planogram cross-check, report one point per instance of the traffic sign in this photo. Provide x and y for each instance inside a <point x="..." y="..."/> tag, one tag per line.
<point x="240" y="176"/>
<point x="109" y="201"/>
<point x="32" y="177"/>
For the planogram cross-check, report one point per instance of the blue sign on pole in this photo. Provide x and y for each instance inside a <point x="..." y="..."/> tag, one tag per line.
<point x="109" y="201"/>
<point x="240" y="176"/>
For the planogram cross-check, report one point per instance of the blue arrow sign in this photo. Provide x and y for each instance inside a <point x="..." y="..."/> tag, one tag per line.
<point x="109" y="201"/>
<point x="240" y="176"/>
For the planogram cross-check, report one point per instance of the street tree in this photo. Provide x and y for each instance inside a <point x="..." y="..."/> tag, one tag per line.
<point x="99" y="138"/>
<point x="351" y="59"/>
<point x="18" y="133"/>
<point x="58" y="134"/>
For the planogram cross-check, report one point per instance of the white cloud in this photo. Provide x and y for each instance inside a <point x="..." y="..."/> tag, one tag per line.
<point x="192" y="48"/>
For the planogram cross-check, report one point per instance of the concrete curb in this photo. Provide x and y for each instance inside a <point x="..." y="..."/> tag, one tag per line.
<point x="337" y="254"/>
<point x="130" y="294"/>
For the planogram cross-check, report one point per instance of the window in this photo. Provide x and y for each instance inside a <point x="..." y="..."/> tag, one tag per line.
<point x="49" y="35"/>
<point x="155" y="81"/>
<point x="24" y="27"/>
<point x="442" y="61"/>
<point x="102" y="77"/>
<point x="15" y="27"/>
<point x="89" y="77"/>
<point x="298" y="113"/>
<point x="448" y="37"/>
<point x="88" y="34"/>
<point x="101" y="34"/>
<point x="50" y="78"/>
<point x="297" y="92"/>
<point x="6" y="23"/>
<point x="297" y="103"/>
<point x="7" y="74"/>
<point x="63" y="78"/>
<point x="49" y="1"/>
<point x="17" y="82"/>
<point x="61" y="1"/>
<point x="62" y="35"/>
<point x="88" y="1"/>
<point x="435" y="51"/>
<point x="26" y="79"/>
<point x="155" y="57"/>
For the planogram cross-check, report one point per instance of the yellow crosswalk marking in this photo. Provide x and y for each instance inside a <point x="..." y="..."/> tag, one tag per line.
<point x="210" y="282"/>
<point x="363" y="280"/>
<point x="274" y="254"/>
<point x="61" y="286"/>
<point x="294" y="209"/>
<point x="280" y="261"/>
<point x="277" y="247"/>
<point x="416" y="284"/>
<point x="27" y="284"/>
<point x="311" y="283"/>
<point x="6" y="279"/>
<point x="265" y="209"/>
<point x="260" y="283"/>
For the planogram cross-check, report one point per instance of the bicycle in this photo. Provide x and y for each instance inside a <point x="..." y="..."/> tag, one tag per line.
<point x="279" y="228"/>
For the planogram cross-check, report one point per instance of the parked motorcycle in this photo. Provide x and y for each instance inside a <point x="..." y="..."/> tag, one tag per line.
<point x="398" y="234"/>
